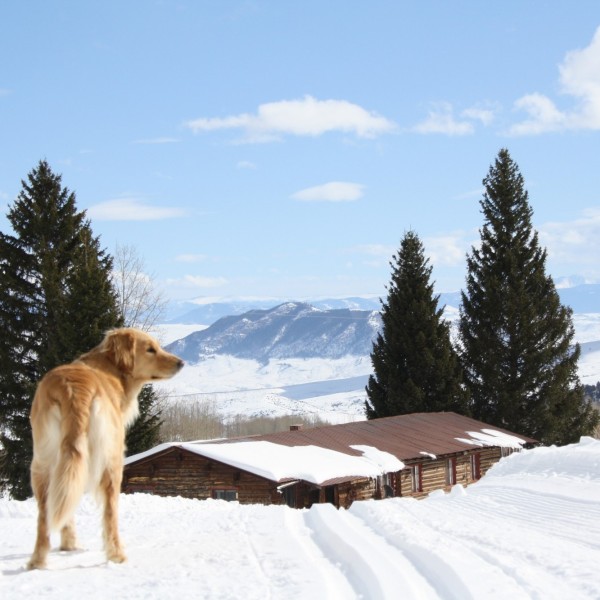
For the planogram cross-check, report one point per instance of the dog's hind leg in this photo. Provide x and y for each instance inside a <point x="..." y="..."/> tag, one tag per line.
<point x="111" y="488"/>
<point x="39" y="483"/>
<point x="68" y="538"/>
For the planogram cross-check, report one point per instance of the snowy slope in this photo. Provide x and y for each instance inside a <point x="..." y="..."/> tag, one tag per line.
<point x="332" y="389"/>
<point x="529" y="529"/>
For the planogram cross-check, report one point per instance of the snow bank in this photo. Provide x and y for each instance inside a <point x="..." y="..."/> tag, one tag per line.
<point x="530" y="528"/>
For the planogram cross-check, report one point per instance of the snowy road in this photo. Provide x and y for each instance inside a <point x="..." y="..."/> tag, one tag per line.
<point x="529" y="529"/>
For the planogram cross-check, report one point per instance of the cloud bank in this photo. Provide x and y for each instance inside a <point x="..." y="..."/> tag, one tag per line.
<point x="304" y="117"/>
<point x="441" y="119"/>
<point x="579" y="79"/>
<point x="334" y="191"/>
<point x="131" y="209"/>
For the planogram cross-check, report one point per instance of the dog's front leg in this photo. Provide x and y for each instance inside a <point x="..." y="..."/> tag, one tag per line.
<point x="111" y="487"/>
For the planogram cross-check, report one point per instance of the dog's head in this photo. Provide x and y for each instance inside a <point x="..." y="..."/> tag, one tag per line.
<point x="139" y="355"/>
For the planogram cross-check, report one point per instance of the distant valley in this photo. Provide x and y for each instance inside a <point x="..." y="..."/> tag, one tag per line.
<point x="258" y="357"/>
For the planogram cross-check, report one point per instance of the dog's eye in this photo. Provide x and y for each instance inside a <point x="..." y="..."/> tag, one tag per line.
<point x="151" y="350"/>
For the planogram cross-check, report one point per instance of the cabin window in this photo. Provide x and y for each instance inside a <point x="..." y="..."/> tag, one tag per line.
<point x="230" y="495"/>
<point x="417" y="478"/>
<point x="386" y="484"/>
<point x="451" y="471"/>
<point x="475" y="466"/>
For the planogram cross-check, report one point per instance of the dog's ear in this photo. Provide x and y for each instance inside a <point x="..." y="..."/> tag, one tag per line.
<point x="119" y="346"/>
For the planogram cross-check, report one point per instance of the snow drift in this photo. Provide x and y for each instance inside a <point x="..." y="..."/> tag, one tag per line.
<point x="529" y="529"/>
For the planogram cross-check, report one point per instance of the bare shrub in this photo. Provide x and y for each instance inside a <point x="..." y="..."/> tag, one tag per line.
<point x="198" y="418"/>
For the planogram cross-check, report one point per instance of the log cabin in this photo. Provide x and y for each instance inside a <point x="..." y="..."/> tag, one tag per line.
<point x="407" y="455"/>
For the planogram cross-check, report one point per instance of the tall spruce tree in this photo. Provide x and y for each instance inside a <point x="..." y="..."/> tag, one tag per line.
<point x="56" y="301"/>
<point x="415" y="368"/>
<point x="518" y="355"/>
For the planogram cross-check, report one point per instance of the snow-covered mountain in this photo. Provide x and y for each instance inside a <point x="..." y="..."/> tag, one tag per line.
<point x="209" y="310"/>
<point x="584" y="298"/>
<point x="297" y="358"/>
<point x="330" y="328"/>
<point x="290" y="330"/>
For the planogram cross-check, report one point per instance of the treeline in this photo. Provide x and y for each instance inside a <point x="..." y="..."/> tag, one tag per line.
<point x="198" y="418"/>
<point x="592" y="393"/>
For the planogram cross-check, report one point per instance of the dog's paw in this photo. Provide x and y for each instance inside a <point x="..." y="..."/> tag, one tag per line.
<point x="36" y="563"/>
<point x="69" y="547"/>
<point x="116" y="556"/>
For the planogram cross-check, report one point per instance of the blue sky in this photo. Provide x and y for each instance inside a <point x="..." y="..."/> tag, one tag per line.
<point x="283" y="149"/>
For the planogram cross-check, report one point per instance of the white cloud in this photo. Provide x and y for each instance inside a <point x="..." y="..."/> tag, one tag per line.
<point x="197" y="281"/>
<point x="131" y="209"/>
<point x="441" y="119"/>
<point x="304" y="117"/>
<point x="575" y="243"/>
<point x="477" y="113"/>
<point x="334" y="191"/>
<point x="579" y="79"/>
<point x="245" y="164"/>
<point x="447" y="250"/>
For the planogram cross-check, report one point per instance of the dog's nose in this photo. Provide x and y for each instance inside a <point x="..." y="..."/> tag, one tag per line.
<point x="180" y="364"/>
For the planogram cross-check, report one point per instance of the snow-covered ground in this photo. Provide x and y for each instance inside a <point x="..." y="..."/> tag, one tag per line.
<point x="330" y="389"/>
<point x="530" y="529"/>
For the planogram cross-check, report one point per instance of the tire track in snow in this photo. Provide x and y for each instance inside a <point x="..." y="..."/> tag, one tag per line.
<point x="492" y="554"/>
<point x="332" y="585"/>
<point x="373" y="568"/>
<point x="281" y="553"/>
<point x="452" y="569"/>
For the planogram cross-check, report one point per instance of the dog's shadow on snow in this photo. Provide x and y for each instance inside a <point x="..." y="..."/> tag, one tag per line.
<point x="56" y="567"/>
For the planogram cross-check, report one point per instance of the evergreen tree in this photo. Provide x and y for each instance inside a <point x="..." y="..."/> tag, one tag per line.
<point x="18" y="370"/>
<point x="144" y="432"/>
<point x="415" y="368"/>
<point x="518" y="355"/>
<point x="56" y="301"/>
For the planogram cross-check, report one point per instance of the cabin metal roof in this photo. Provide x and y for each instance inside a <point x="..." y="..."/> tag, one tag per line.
<point x="408" y="437"/>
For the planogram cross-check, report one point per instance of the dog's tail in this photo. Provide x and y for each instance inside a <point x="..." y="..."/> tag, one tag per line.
<point x="69" y="479"/>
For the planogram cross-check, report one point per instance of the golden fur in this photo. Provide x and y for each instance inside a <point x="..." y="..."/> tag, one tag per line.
<point x="78" y="419"/>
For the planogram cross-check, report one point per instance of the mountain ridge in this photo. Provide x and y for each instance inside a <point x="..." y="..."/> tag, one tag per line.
<point x="291" y="329"/>
<point x="327" y="328"/>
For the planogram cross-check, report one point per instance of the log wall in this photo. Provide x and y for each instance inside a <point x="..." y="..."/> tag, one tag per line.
<point x="181" y="473"/>
<point x="434" y="475"/>
<point x="177" y="472"/>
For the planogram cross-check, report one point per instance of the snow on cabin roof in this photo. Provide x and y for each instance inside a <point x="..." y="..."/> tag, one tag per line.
<point x="360" y="449"/>
<point x="308" y="463"/>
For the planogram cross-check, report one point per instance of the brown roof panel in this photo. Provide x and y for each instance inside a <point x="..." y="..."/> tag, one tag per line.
<point x="407" y="437"/>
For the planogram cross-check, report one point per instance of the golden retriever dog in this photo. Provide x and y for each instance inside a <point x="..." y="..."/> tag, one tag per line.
<point x="78" y="419"/>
